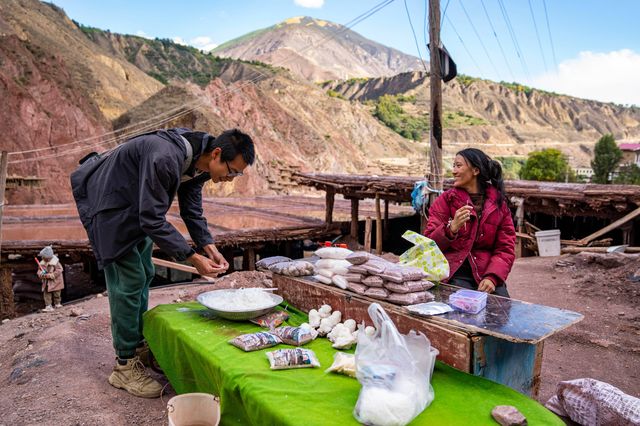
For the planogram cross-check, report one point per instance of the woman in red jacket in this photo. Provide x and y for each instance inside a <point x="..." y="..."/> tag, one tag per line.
<point x="472" y="225"/>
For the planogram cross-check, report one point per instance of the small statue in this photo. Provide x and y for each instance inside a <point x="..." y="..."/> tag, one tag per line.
<point x="50" y="272"/>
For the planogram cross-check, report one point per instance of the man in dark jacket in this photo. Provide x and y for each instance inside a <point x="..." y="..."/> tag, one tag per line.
<point x="123" y="197"/>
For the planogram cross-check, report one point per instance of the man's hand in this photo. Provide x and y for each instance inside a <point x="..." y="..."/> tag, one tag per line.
<point x="487" y="286"/>
<point x="204" y="265"/>
<point x="212" y="253"/>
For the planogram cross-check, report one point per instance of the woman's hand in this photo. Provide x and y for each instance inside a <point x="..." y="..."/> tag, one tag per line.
<point x="487" y="286"/>
<point x="462" y="216"/>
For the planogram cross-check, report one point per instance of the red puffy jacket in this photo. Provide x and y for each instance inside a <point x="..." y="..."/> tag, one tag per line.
<point x="489" y="245"/>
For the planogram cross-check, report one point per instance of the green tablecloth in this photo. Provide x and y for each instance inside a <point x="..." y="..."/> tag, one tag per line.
<point x="193" y="350"/>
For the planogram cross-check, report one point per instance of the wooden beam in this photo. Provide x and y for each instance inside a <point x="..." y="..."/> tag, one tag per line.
<point x="386" y="219"/>
<point x="575" y="250"/>
<point x="354" y="218"/>
<point x="330" y="199"/>
<point x="586" y="240"/>
<point x="367" y="235"/>
<point x="249" y="259"/>
<point x="378" y="226"/>
<point x="179" y="267"/>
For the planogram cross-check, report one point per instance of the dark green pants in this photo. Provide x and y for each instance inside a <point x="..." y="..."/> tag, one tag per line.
<point x="128" y="281"/>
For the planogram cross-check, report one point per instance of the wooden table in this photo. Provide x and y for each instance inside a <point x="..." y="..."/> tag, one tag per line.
<point x="503" y="342"/>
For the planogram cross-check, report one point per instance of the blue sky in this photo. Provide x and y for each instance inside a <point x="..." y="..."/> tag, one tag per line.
<point x="596" y="42"/>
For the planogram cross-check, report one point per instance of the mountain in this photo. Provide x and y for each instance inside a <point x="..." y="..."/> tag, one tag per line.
<point x="506" y="120"/>
<point x="318" y="50"/>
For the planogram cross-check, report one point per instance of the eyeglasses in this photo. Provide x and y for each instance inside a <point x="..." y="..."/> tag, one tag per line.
<point x="232" y="173"/>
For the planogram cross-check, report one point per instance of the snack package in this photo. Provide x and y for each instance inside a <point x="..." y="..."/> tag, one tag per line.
<point x="410" y="298"/>
<point x="400" y="274"/>
<point x="373" y="281"/>
<point x="376" y="266"/>
<point x="340" y="281"/>
<point x="322" y="279"/>
<point x="408" y="286"/>
<point x="271" y="320"/>
<point x="332" y="253"/>
<point x="343" y="364"/>
<point x="296" y="336"/>
<point x="358" y="269"/>
<point x="377" y="293"/>
<point x="357" y="287"/>
<point x="283" y="359"/>
<point x="359" y="257"/>
<point x="332" y="264"/>
<point x="255" y="341"/>
<point x="267" y="262"/>
<point x="354" y="278"/>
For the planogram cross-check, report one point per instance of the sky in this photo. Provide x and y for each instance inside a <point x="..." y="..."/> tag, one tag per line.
<point x="584" y="48"/>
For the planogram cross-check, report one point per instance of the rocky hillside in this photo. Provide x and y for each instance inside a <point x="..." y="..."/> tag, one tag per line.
<point x="295" y="126"/>
<point x="318" y="50"/>
<point x="503" y="119"/>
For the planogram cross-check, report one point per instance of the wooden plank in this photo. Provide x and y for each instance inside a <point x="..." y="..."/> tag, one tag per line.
<point x="179" y="267"/>
<point x="574" y="250"/>
<point x="367" y="235"/>
<point x="354" y="218"/>
<point x="626" y="218"/>
<point x="454" y="345"/>
<point x="378" y="227"/>
<point x="516" y="365"/>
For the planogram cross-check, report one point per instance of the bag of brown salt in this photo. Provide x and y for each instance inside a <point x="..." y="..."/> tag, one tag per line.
<point x="359" y="257"/>
<point x="354" y="278"/>
<point x="377" y="293"/>
<point x="399" y="274"/>
<point x="410" y="298"/>
<point x="255" y="341"/>
<point x="356" y="287"/>
<point x="408" y="286"/>
<point x="373" y="281"/>
<point x="376" y="266"/>
<point x="357" y="269"/>
<point x="295" y="336"/>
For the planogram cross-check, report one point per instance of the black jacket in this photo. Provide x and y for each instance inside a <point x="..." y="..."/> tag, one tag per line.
<point x="124" y="195"/>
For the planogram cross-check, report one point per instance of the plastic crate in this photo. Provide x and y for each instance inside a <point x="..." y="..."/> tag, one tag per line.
<point x="470" y="301"/>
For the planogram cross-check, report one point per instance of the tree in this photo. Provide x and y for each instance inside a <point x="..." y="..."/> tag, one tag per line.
<point x="606" y="158"/>
<point x="629" y="174"/>
<point x="547" y="165"/>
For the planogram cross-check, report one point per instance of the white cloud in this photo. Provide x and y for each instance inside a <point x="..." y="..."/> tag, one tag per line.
<point x="141" y="33"/>
<point x="201" y="42"/>
<point x="314" y="4"/>
<point x="607" y="77"/>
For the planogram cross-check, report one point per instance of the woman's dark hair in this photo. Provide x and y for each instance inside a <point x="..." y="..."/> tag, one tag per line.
<point x="233" y="143"/>
<point x="490" y="170"/>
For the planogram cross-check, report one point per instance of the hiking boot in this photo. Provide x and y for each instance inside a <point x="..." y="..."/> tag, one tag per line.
<point x="48" y="308"/>
<point x="134" y="378"/>
<point x="144" y="353"/>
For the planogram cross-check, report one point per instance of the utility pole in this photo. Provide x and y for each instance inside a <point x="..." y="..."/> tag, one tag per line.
<point x="435" y="116"/>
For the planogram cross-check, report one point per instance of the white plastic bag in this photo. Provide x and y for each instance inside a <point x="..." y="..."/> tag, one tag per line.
<point x="395" y="373"/>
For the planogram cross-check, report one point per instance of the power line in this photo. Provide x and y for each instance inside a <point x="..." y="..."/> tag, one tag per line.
<point x="444" y="13"/>
<point x="464" y="45"/>
<point x="514" y="39"/>
<point x="535" y="25"/>
<point x="498" y="40"/>
<point x="553" y="50"/>
<point x="414" y="36"/>
<point x="464" y="9"/>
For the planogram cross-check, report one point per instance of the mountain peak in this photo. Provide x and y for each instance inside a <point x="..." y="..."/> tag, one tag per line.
<point x="307" y="21"/>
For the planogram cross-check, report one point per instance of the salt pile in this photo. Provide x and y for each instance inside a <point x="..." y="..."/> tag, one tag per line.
<point x="239" y="300"/>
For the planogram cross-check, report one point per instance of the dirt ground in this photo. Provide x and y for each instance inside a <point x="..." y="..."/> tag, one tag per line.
<point x="53" y="367"/>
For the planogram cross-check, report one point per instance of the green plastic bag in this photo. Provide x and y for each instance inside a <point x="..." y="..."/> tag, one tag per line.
<point x="425" y="254"/>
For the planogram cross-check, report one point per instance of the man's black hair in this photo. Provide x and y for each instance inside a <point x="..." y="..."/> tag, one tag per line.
<point x="233" y="143"/>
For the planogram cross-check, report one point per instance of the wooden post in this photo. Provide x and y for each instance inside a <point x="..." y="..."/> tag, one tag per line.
<point x="354" y="218"/>
<point x="330" y="198"/>
<point x="378" y="226"/>
<point x="249" y="259"/>
<point x="386" y="219"/>
<point x="435" y="130"/>
<point x="7" y="305"/>
<point x="367" y="235"/>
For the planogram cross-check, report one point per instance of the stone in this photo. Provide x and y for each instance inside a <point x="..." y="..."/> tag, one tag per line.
<point x="100" y="295"/>
<point x="508" y="415"/>
<point x="76" y="312"/>
<point x="6" y="320"/>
